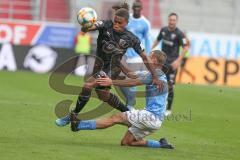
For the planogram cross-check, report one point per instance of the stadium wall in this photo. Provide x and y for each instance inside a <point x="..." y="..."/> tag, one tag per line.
<point x="214" y="58"/>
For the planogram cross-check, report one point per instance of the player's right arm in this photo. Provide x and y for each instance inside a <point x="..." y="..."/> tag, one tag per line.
<point x="96" y="26"/>
<point x="147" y="61"/>
<point x="143" y="79"/>
<point x="88" y="29"/>
<point x="156" y="42"/>
<point x="183" y="43"/>
<point x="121" y="83"/>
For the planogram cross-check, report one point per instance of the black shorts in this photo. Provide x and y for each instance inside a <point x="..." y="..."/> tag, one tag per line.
<point x="170" y="73"/>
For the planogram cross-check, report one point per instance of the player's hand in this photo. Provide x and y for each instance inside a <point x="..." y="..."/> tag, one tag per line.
<point x="159" y="84"/>
<point x="176" y="64"/>
<point x="132" y="75"/>
<point x="86" y="27"/>
<point x="104" y="81"/>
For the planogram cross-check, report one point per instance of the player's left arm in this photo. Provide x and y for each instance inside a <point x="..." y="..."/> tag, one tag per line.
<point x="182" y="40"/>
<point x="87" y="28"/>
<point x="148" y="63"/>
<point x="141" y="80"/>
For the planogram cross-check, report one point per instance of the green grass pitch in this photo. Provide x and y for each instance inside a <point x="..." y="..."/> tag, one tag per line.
<point x="28" y="132"/>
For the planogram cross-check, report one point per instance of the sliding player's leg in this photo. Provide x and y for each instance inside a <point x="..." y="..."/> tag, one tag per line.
<point x="77" y="125"/>
<point x="128" y="139"/>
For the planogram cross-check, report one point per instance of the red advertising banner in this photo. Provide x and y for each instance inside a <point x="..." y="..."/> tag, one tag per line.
<point x="18" y="33"/>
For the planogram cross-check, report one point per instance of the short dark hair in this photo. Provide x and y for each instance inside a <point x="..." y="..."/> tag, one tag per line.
<point x="137" y="3"/>
<point x="122" y="10"/>
<point x="173" y="14"/>
<point x="120" y="5"/>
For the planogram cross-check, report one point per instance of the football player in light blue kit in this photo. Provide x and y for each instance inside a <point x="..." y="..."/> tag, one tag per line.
<point x="141" y="123"/>
<point x="140" y="27"/>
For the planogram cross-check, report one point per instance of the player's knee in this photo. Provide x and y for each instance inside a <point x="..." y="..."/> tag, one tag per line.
<point x="115" y="118"/>
<point x="104" y="99"/>
<point x="104" y="96"/>
<point x="88" y="86"/>
<point x="124" y="142"/>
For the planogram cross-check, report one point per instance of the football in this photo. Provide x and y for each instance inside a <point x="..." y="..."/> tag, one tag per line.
<point x="86" y="16"/>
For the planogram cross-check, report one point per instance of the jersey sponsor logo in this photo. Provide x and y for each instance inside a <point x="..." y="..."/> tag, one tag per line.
<point x="123" y="43"/>
<point x="110" y="48"/>
<point x="173" y="36"/>
<point x="169" y="43"/>
<point x="109" y="34"/>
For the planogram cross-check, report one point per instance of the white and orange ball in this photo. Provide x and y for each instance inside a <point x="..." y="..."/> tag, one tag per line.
<point x="86" y="16"/>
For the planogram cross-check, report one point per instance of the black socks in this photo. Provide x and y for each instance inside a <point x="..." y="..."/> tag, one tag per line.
<point x="115" y="102"/>
<point x="170" y="100"/>
<point x="82" y="99"/>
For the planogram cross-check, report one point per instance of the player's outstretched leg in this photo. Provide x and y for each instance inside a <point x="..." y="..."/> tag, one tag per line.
<point x="77" y="125"/>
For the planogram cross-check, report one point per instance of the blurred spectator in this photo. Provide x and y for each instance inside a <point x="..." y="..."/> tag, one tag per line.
<point x="83" y="47"/>
<point x="83" y="44"/>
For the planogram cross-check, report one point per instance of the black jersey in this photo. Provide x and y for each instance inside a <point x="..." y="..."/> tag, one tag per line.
<point x="171" y="42"/>
<point x="111" y="46"/>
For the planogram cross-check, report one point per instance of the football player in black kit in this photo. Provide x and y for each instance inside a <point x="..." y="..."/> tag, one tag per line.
<point x="112" y="43"/>
<point x="172" y="38"/>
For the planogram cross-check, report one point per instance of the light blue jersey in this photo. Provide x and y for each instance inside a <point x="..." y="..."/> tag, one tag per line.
<point x="156" y="101"/>
<point x="139" y="27"/>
